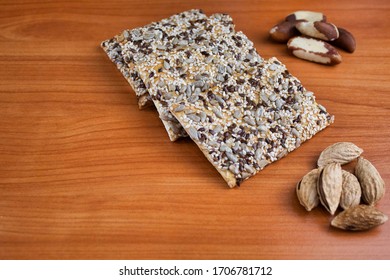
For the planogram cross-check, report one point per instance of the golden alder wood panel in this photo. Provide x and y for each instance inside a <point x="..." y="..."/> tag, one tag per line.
<point x="85" y="175"/>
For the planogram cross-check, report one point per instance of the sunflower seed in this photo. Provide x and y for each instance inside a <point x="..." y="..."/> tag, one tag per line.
<point x="195" y="118"/>
<point x="259" y="154"/>
<point x="229" y="70"/>
<point x="220" y="78"/>
<point x="212" y="143"/>
<point x="171" y="87"/>
<point x="237" y="114"/>
<point x="198" y="77"/>
<point x="203" y="116"/>
<point x="219" y="100"/>
<point x="189" y="90"/>
<point x="295" y="132"/>
<point x="208" y="59"/>
<point x="193" y="133"/>
<point x="199" y="83"/>
<point x="221" y="69"/>
<point x="249" y="56"/>
<point x="236" y="146"/>
<point x="148" y="35"/>
<point x="279" y="103"/>
<point x="161" y="83"/>
<point x="273" y="67"/>
<point x="249" y="168"/>
<point x="262" y="163"/>
<point x="161" y="47"/>
<point x="234" y="168"/>
<point x="180" y="108"/>
<point x="264" y="97"/>
<point x="272" y="97"/>
<point x="183" y="70"/>
<point x="262" y="128"/>
<point x="232" y="157"/>
<point x="193" y="98"/>
<point x="249" y="121"/>
<point x="217" y="112"/>
<point x="225" y="148"/>
<point x="217" y="129"/>
<point x="206" y="87"/>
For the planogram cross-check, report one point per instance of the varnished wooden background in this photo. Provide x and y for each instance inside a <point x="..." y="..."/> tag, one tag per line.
<point x="85" y="175"/>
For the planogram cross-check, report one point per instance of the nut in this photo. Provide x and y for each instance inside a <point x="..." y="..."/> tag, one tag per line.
<point x="283" y="31"/>
<point x="307" y="190"/>
<point x="341" y="152"/>
<point x="345" y="41"/>
<point x="318" y="29"/>
<point x="339" y="187"/>
<point x="314" y="50"/>
<point x="360" y="217"/>
<point x="351" y="192"/>
<point x="329" y="186"/>
<point x="306" y="16"/>
<point x="371" y="182"/>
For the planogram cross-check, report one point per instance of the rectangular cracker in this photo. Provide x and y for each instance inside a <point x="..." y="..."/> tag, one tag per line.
<point x="259" y="128"/>
<point x="139" y="52"/>
<point x="252" y="113"/>
<point x="170" y="26"/>
<point x="113" y="50"/>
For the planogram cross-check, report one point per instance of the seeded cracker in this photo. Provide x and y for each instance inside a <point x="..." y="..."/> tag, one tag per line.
<point x="142" y="51"/>
<point x="113" y="47"/>
<point x="242" y="112"/>
<point x="114" y="51"/>
<point x="257" y="128"/>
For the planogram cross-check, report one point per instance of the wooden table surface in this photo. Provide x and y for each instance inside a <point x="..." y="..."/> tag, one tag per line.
<point x="85" y="175"/>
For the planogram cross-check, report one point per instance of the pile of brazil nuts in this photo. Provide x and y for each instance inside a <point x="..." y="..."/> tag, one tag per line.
<point x="309" y="36"/>
<point x="356" y="193"/>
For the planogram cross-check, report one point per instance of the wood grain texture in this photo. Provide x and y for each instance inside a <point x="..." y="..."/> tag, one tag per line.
<point x="85" y="175"/>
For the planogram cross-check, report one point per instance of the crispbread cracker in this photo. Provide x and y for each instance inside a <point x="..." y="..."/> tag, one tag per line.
<point x="113" y="50"/>
<point x="172" y="26"/>
<point x="263" y="126"/>
<point x="142" y="56"/>
<point x="252" y="112"/>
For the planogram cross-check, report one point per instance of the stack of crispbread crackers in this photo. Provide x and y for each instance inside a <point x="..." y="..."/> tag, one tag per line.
<point x="208" y="82"/>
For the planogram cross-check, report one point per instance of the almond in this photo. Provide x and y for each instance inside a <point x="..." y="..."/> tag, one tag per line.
<point x="351" y="191"/>
<point x="371" y="182"/>
<point x="307" y="190"/>
<point x="341" y="152"/>
<point x="329" y="186"/>
<point x="360" y="217"/>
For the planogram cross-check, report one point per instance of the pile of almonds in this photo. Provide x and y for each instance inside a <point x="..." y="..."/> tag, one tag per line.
<point x="309" y="36"/>
<point x="334" y="187"/>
